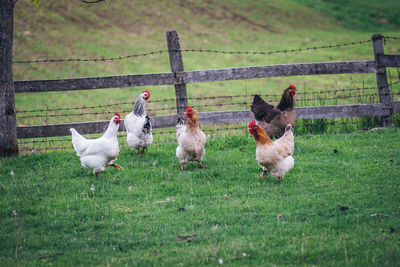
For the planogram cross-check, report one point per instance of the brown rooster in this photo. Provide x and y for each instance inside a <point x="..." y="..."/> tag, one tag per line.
<point x="273" y="119"/>
<point x="273" y="156"/>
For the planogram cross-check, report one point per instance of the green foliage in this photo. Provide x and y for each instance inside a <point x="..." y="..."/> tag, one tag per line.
<point x="336" y="208"/>
<point x="36" y="2"/>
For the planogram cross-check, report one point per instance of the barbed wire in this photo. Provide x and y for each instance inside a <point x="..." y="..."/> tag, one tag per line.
<point x="276" y="51"/>
<point x="245" y="103"/>
<point x="34" y="150"/>
<point x="24" y="144"/>
<point x="124" y="103"/>
<point x="108" y="112"/>
<point x="327" y="123"/>
<point x="104" y="59"/>
<point x="148" y="110"/>
<point x="335" y="91"/>
<point x="91" y="59"/>
<point x="90" y="107"/>
<point x="347" y="89"/>
<point x="390" y="37"/>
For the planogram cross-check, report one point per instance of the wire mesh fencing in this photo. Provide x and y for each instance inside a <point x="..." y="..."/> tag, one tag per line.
<point x="316" y="97"/>
<point x="307" y="96"/>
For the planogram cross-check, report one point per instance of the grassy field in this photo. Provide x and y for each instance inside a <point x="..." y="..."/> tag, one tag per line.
<point x="65" y="29"/>
<point x="331" y="209"/>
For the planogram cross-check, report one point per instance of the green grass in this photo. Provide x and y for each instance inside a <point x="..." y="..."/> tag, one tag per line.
<point x="368" y="16"/>
<point x="119" y="28"/>
<point x="68" y="217"/>
<point x="135" y="217"/>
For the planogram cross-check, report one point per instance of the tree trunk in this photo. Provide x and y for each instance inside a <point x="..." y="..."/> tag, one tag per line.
<point x="8" y="130"/>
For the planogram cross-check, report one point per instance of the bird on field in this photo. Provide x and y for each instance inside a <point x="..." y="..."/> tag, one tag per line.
<point x="273" y="119"/>
<point x="138" y="125"/>
<point x="98" y="154"/>
<point x="273" y="156"/>
<point x="191" y="139"/>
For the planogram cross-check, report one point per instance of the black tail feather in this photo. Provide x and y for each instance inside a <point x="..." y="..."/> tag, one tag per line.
<point x="261" y="109"/>
<point x="180" y="121"/>
<point x="257" y="99"/>
<point x="147" y="126"/>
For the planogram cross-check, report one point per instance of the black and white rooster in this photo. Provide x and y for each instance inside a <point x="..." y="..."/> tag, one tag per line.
<point x="138" y="125"/>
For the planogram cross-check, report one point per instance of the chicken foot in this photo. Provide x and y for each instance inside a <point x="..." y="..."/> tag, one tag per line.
<point x="183" y="167"/>
<point x="199" y="165"/>
<point x="141" y="154"/>
<point x="116" y="166"/>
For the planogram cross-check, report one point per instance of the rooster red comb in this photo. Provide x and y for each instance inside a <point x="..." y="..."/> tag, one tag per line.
<point x="292" y="86"/>
<point x="251" y="124"/>
<point x="145" y="91"/>
<point x="188" y="108"/>
<point x="116" y="114"/>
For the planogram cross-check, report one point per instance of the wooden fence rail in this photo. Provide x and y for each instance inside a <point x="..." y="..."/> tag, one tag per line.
<point x="219" y="117"/>
<point x="179" y="78"/>
<point x="184" y="77"/>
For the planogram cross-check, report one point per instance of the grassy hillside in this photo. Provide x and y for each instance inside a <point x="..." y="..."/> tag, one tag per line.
<point x="365" y="16"/>
<point x="332" y="209"/>
<point x="68" y="29"/>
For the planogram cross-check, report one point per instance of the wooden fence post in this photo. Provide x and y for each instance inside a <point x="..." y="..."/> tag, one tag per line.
<point x="381" y="79"/>
<point x="175" y="60"/>
<point x="8" y="123"/>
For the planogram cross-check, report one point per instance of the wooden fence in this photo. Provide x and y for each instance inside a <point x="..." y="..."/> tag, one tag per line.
<point x="179" y="78"/>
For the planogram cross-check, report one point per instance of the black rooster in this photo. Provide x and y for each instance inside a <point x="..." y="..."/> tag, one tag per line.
<point x="273" y="119"/>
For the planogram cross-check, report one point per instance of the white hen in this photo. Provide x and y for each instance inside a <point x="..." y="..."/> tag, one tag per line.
<point x="191" y="139"/>
<point x="98" y="154"/>
<point x="138" y="125"/>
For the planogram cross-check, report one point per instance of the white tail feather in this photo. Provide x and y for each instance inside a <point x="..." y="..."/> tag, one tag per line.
<point x="78" y="141"/>
<point x="180" y="127"/>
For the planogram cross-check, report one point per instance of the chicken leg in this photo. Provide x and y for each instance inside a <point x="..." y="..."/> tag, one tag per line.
<point x="263" y="174"/>
<point x="116" y="166"/>
<point x="199" y="165"/>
